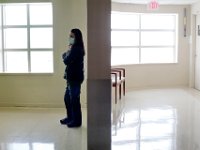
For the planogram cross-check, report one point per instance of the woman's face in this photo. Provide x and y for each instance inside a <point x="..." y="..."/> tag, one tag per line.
<point x="72" y="35"/>
<point x="71" y="38"/>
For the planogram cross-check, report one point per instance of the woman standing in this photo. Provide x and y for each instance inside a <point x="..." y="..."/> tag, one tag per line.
<point x="74" y="75"/>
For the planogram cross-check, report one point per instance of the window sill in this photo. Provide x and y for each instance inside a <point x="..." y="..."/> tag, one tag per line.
<point x="26" y="74"/>
<point x="147" y="64"/>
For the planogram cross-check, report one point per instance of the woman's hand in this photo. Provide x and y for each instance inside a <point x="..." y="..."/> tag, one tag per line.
<point x="64" y="55"/>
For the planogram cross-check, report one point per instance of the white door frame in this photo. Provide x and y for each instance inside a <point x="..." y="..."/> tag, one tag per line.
<point x="192" y="51"/>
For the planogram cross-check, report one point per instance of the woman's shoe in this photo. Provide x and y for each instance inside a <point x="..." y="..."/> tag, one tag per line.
<point x="65" y="121"/>
<point x="73" y="125"/>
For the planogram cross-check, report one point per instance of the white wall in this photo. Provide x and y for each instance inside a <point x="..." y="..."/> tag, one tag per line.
<point x="41" y="89"/>
<point x="196" y="8"/>
<point x="160" y="75"/>
<point x="195" y="11"/>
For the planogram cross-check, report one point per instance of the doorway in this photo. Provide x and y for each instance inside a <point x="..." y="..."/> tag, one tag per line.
<point x="197" y="54"/>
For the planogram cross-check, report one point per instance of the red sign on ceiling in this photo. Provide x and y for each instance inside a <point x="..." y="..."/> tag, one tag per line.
<point x="153" y="5"/>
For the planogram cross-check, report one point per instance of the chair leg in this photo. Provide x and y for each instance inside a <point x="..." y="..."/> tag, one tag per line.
<point x="120" y="91"/>
<point x="123" y="117"/>
<point x="116" y="95"/>
<point x="124" y="88"/>
<point x="115" y="129"/>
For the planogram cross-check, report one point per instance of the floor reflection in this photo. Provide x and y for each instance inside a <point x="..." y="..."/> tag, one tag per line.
<point x="147" y="129"/>
<point x="39" y="129"/>
<point x="163" y="119"/>
<point x="27" y="146"/>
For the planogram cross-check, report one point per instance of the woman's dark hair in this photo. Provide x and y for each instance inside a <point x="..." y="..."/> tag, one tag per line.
<point x="78" y="39"/>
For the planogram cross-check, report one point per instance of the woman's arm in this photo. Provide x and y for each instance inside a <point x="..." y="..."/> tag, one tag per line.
<point x="70" y="56"/>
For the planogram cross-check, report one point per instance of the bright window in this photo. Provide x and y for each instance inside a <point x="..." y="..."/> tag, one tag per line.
<point x="1" y="52"/>
<point x="42" y="10"/>
<point x="15" y="14"/>
<point x="125" y="38"/>
<point x="37" y="59"/>
<point x="127" y="55"/>
<point x="42" y="41"/>
<point x="15" y="38"/>
<point x="143" y="38"/>
<point x="16" y="61"/>
<point x="26" y="38"/>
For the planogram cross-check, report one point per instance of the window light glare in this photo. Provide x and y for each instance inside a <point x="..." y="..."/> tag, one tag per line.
<point x="153" y="35"/>
<point x="15" y="14"/>
<point x="26" y="30"/>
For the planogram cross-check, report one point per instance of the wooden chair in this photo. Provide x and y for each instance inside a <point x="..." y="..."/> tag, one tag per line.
<point x="118" y="79"/>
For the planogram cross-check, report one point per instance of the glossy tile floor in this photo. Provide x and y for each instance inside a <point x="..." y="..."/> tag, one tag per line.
<point x="39" y="129"/>
<point x="155" y="119"/>
<point x="160" y="119"/>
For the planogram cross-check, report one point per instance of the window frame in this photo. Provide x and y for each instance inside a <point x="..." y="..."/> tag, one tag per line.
<point x="140" y="30"/>
<point x="28" y="26"/>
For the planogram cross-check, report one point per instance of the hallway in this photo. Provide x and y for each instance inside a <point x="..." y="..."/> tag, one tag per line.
<point x="155" y="119"/>
<point x="160" y="119"/>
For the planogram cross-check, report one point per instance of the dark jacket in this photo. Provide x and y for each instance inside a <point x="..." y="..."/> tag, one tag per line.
<point x="73" y="59"/>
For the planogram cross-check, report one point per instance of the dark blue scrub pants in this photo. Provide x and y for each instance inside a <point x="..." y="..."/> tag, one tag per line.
<point x="72" y="102"/>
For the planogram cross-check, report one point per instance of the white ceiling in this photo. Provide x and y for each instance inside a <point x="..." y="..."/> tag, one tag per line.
<point x="175" y="2"/>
